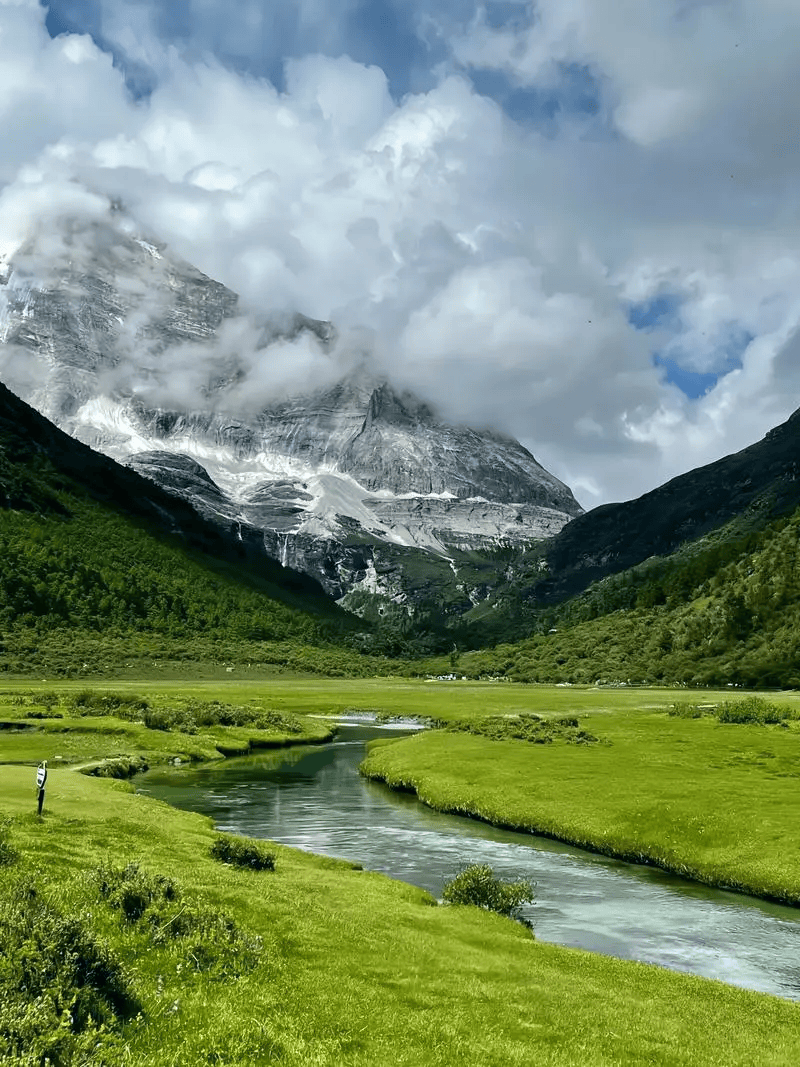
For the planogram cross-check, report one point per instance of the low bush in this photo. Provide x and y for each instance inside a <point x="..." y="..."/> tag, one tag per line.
<point x="478" y="886"/>
<point x="63" y="992"/>
<point x="191" y="715"/>
<point x="117" y="767"/>
<point x="754" y="709"/>
<point x="124" y="705"/>
<point x="686" y="711"/>
<point x="526" y="726"/>
<point x="203" y="938"/>
<point x="132" y="891"/>
<point x="170" y="719"/>
<point x="240" y="852"/>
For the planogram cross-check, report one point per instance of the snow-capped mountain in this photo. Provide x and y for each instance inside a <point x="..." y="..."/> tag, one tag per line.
<point x="148" y="360"/>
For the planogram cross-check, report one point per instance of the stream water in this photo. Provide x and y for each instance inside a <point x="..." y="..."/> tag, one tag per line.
<point x="313" y="798"/>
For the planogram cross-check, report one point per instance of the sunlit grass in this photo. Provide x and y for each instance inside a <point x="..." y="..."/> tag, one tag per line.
<point x="43" y="723"/>
<point x="399" y="696"/>
<point x="358" y="969"/>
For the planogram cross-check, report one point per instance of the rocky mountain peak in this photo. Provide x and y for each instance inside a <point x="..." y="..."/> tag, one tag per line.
<point x="385" y="405"/>
<point x="142" y="356"/>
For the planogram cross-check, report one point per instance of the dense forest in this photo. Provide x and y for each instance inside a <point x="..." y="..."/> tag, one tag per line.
<point x="99" y="568"/>
<point x="83" y="588"/>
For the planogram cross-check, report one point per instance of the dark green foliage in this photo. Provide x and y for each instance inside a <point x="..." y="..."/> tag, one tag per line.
<point x="754" y="709"/>
<point x="686" y="711"/>
<point x="170" y="719"/>
<point x="117" y="767"/>
<point x="8" y="854"/>
<point x="93" y="557"/>
<point x="90" y="702"/>
<point x="218" y="713"/>
<point x="204" y="938"/>
<point x="525" y="727"/>
<point x="63" y="992"/>
<point x="132" y="891"/>
<point x="729" y="614"/>
<point x="750" y="710"/>
<point x="243" y="853"/>
<point x="189" y="715"/>
<point x="98" y="571"/>
<point x="91" y="655"/>
<point x="477" y="885"/>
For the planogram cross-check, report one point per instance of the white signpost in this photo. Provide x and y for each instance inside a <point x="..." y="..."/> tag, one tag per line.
<point x="41" y="778"/>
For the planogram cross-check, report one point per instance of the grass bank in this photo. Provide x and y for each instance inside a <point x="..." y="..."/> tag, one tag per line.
<point x="313" y="962"/>
<point x="713" y="801"/>
<point x="115" y="733"/>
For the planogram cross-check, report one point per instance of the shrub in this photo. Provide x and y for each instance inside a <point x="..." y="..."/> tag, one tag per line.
<point x="169" y="719"/>
<point x="8" y="854"/>
<point x="125" y="705"/>
<point x="203" y="938"/>
<point x="242" y="853"/>
<point x="132" y="890"/>
<point x="63" y="993"/>
<point x="477" y="885"/>
<point x="753" y="709"/>
<point x="686" y="711"/>
<point x="526" y="726"/>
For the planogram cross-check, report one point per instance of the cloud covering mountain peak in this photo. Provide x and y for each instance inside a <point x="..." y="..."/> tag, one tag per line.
<point x="498" y="246"/>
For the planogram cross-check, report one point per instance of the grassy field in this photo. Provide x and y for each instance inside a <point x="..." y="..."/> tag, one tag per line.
<point x="397" y="696"/>
<point x="116" y="732"/>
<point x="317" y="962"/>
<point x="339" y="966"/>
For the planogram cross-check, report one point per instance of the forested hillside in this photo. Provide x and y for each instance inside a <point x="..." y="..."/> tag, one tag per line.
<point x="722" y="610"/>
<point x="98" y="567"/>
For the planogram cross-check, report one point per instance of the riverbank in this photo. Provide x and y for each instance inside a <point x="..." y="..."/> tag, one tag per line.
<point x="714" y="802"/>
<point x="117" y="733"/>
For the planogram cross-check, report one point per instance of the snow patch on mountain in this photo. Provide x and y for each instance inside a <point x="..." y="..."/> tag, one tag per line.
<point x="146" y="359"/>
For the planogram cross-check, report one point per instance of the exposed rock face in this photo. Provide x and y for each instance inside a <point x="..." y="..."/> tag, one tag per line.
<point x="96" y="321"/>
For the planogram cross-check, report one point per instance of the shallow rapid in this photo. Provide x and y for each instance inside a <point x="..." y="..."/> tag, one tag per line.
<point x="313" y="798"/>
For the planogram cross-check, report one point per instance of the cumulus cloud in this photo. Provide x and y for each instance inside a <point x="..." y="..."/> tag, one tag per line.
<point x="510" y="271"/>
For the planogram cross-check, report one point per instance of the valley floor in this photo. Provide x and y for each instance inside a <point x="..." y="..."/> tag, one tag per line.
<point x="349" y="967"/>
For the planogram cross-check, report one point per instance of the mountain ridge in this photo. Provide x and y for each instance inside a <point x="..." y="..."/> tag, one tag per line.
<point x="28" y="439"/>
<point x="615" y="537"/>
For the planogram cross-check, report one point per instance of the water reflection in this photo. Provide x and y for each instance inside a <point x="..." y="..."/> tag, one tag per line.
<point x="314" y="799"/>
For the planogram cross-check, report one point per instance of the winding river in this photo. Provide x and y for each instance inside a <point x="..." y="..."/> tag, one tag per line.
<point x="313" y="798"/>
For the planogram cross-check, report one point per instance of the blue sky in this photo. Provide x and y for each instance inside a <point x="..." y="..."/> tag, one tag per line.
<point x="390" y="34"/>
<point x="377" y="32"/>
<point x="577" y="221"/>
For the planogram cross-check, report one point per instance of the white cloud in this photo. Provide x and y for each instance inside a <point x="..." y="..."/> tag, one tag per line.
<point x="491" y="265"/>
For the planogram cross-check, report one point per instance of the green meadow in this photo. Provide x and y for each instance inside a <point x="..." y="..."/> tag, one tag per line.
<point x="126" y="941"/>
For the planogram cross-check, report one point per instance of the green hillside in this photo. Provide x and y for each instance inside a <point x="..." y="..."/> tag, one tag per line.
<point x="721" y="610"/>
<point x="100" y="568"/>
